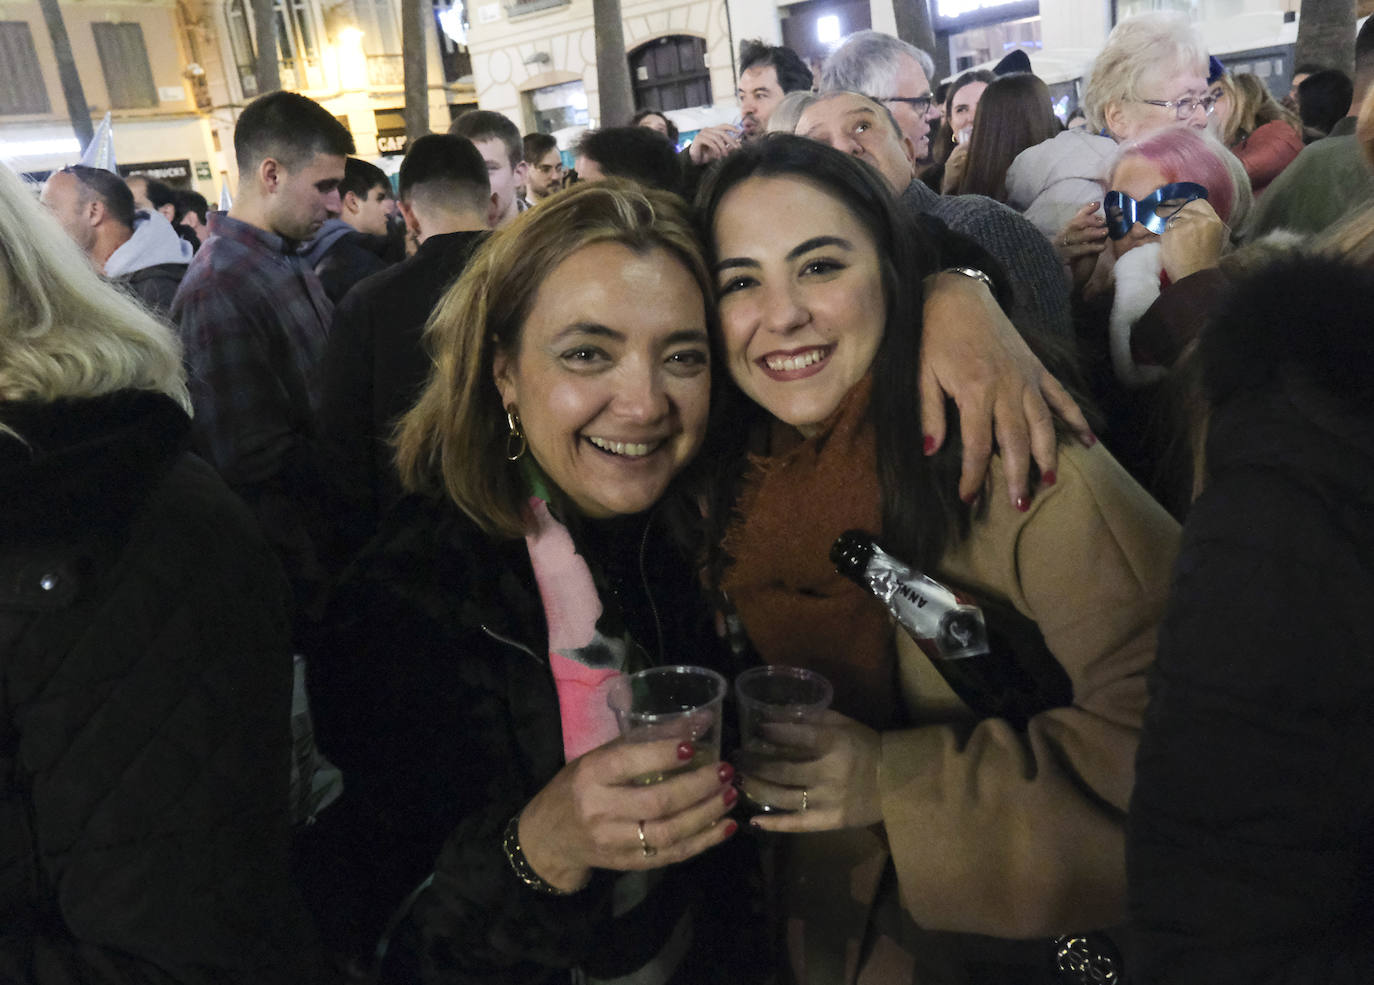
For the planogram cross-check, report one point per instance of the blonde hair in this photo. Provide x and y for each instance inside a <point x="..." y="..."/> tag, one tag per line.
<point x="65" y="332"/>
<point x="1252" y="106"/>
<point x="453" y="441"/>
<point x="1136" y="47"/>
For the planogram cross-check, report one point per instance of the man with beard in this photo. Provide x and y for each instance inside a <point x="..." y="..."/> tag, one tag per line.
<point x="767" y="73"/>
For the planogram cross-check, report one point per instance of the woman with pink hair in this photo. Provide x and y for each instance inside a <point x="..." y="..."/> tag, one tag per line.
<point x="1171" y="196"/>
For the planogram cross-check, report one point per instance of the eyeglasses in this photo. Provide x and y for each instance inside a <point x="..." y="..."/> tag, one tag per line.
<point x="921" y="104"/>
<point x="1185" y="107"/>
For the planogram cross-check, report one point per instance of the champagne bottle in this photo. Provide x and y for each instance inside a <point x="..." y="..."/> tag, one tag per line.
<point x="991" y="676"/>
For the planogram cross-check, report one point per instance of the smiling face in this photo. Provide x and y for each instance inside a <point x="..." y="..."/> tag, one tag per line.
<point x="301" y="200"/>
<point x="612" y="378"/>
<point x="1137" y="177"/>
<point x="964" y="106"/>
<point x="801" y="297"/>
<point x="857" y="125"/>
<point x="759" y="93"/>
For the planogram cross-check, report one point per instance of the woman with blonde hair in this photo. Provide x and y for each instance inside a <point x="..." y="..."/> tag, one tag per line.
<point x="145" y="669"/>
<point x="1150" y="74"/>
<point x="1262" y="133"/>
<point x="492" y="825"/>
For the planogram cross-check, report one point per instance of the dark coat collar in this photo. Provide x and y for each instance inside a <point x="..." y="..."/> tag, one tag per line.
<point x="81" y="464"/>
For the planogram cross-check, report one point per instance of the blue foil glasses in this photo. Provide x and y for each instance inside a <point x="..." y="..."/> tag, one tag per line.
<point x="1153" y="212"/>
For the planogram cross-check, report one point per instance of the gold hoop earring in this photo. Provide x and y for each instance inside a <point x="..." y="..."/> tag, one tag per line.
<point x="515" y="435"/>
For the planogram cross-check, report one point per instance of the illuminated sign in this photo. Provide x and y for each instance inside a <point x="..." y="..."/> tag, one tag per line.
<point x="958" y="8"/>
<point x="957" y="15"/>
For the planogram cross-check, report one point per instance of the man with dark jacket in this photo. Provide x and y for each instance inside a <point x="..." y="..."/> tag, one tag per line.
<point x="138" y="250"/>
<point x="351" y="245"/>
<point x="374" y="363"/>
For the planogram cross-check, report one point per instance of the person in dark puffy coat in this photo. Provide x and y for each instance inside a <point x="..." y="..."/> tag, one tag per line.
<point x="145" y="668"/>
<point x="1251" y="831"/>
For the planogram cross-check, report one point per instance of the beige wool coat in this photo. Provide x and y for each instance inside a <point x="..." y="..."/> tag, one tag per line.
<point x="986" y="830"/>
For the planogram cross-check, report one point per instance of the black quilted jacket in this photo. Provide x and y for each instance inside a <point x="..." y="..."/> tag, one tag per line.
<point x="1250" y="847"/>
<point x="145" y="682"/>
<point x="431" y="691"/>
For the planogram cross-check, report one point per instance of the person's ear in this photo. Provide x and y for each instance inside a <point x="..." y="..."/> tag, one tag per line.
<point x="909" y="149"/>
<point x="1117" y="118"/>
<point x="169" y="211"/>
<point x="522" y="170"/>
<point x="96" y="212"/>
<point x="351" y="204"/>
<point x="503" y="373"/>
<point x="412" y="220"/>
<point x="270" y="175"/>
<point x="493" y="210"/>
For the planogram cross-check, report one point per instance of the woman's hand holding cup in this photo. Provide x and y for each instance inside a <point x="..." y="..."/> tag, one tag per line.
<point x="838" y="788"/>
<point x="598" y="813"/>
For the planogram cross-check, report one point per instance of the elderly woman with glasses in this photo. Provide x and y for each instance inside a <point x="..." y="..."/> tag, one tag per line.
<point x="1151" y="74"/>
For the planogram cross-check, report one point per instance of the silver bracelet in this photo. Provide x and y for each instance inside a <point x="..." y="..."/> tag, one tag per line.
<point x="973" y="273"/>
<point x="515" y="855"/>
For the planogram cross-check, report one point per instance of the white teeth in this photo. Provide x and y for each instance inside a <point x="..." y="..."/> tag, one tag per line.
<point x="796" y="362"/>
<point x="630" y="449"/>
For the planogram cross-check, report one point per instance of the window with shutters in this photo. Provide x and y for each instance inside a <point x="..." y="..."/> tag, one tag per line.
<point x="670" y="73"/>
<point x="124" y="60"/>
<point x="21" y="82"/>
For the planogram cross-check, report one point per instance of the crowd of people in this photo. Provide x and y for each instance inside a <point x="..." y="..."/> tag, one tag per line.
<point x="328" y="520"/>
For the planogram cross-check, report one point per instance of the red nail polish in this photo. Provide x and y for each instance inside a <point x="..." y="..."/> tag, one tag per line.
<point x="730" y="796"/>
<point x="726" y="772"/>
<point x="685" y="751"/>
<point x="1023" y="503"/>
<point x="929" y="444"/>
<point x="968" y="498"/>
<point x="730" y="828"/>
<point x="1048" y="478"/>
<point x="1092" y="439"/>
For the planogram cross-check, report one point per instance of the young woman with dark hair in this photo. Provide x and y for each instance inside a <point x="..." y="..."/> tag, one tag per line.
<point x="918" y="816"/>
<point x="1014" y="113"/>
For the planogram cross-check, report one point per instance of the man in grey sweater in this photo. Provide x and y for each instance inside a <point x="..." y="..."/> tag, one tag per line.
<point x="878" y="127"/>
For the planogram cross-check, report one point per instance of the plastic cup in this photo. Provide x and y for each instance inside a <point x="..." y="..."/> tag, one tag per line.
<point x="776" y="707"/>
<point x="678" y="702"/>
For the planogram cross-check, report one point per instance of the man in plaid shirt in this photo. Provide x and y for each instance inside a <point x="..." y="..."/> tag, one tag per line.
<point x="253" y="319"/>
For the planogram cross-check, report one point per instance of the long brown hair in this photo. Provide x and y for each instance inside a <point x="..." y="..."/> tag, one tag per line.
<point x="1252" y="106"/>
<point x="1014" y="113"/>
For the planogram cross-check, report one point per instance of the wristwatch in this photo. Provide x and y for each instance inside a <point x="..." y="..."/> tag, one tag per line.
<point x="973" y="273"/>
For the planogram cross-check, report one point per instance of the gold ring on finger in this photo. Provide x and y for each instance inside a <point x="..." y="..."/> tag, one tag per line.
<point x="649" y="850"/>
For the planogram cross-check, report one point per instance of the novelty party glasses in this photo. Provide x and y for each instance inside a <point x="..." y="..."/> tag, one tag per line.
<point x="1153" y="212"/>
